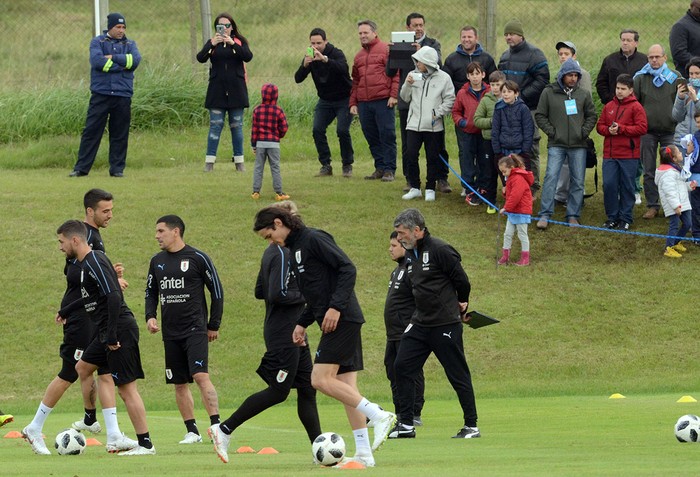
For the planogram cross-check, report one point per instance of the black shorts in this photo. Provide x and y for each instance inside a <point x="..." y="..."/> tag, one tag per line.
<point x="286" y="368"/>
<point x="342" y="347"/>
<point x="186" y="357"/>
<point x="124" y="364"/>
<point x="70" y="354"/>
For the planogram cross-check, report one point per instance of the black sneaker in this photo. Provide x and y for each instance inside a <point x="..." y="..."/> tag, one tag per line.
<point x="402" y="431"/>
<point x="325" y="171"/>
<point x="467" y="433"/>
<point x="77" y="174"/>
<point x="473" y="199"/>
<point x="610" y="224"/>
<point x="623" y="225"/>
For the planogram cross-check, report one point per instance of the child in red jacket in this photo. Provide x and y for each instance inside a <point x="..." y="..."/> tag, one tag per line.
<point x="269" y="126"/>
<point x="518" y="206"/>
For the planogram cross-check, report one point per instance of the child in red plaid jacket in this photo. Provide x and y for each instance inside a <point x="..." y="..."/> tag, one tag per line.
<point x="269" y="126"/>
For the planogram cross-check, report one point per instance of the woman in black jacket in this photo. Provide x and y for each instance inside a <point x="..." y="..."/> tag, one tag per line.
<point x="227" y="92"/>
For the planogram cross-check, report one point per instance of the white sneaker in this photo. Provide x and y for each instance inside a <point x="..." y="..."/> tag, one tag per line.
<point x="138" y="450"/>
<point x="464" y="192"/>
<point x="36" y="440"/>
<point x="429" y="195"/>
<point x="123" y="443"/>
<point x="221" y="442"/>
<point x="191" y="438"/>
<point x="81" y="426"/>
<point x="637" y="198"/>
<point x="366" y="460"/>
<point x="412" y="194"/>
<point x="382" y="427"/>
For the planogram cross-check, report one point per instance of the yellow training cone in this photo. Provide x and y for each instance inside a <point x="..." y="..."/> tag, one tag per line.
<point x="616" y="396"/>
<point x="687" y="399"/>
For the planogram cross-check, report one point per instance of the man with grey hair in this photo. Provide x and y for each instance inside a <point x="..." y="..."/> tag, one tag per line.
<point x="373" y="97"/>
<point x="441" y="292"/>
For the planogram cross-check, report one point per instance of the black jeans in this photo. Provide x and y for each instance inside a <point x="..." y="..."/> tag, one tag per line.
<point x="324" y="114"/>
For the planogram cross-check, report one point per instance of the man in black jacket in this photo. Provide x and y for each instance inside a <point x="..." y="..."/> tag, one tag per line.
<point x="626" y="60"/>
<point x="685" y="37"/>
<point x="441" y="293"/>
<point x="329" y="70"/>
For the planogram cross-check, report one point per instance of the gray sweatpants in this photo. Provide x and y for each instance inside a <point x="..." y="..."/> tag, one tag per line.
<point x="271" y="154"/>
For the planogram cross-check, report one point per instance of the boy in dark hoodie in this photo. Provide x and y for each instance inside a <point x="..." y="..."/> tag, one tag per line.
<point x="269" y="126"/>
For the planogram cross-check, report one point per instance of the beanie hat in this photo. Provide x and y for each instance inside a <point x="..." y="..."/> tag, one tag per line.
<point x="114" y="19"/>
<point x="514" y="27"/>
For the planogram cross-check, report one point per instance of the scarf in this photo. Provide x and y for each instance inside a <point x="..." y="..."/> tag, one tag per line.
<point x="661" y="75"/>
<point x="690" y="159"/>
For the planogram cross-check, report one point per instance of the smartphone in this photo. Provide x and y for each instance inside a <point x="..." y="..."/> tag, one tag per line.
<point x="220" y="29"/>
<point x="310" y="52"/>
<point x="683" y="82"/>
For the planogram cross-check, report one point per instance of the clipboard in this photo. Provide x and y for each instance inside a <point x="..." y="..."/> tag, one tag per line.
<point x="479" y="320"/>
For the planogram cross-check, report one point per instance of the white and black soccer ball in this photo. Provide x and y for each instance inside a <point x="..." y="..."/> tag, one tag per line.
<point x="328" y="448"/>
<point x="687" y="428"/>
<point x="70" y="442"/>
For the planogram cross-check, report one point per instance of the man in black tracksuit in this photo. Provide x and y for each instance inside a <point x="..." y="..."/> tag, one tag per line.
<point x="441" y="292"/>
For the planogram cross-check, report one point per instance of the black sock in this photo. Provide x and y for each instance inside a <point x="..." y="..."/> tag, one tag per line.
<point x="191" y="426"/>
<point x="145" y="440"/>
<point x="214" y="419"/>
<point x="90" y="416"/>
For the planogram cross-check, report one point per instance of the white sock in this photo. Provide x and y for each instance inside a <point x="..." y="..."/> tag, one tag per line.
<point x="111" y="424"/>
<point x="369" y="409"/>
<point x="362" y="446"/>
<point x="40" y="417"/>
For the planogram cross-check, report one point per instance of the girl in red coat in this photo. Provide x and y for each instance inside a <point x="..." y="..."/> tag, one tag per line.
<point x="518" y="206"/>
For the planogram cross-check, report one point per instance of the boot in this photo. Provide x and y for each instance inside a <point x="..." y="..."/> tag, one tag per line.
<point x="238" y="160"/>
<point x="209" y="163"/>
<point x="505" y="257"/>
<point x="524" y="259"/>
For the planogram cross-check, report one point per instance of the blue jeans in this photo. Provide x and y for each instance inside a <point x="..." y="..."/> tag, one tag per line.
<point x="471" y="152"/>
<point x="378" y="123"/>
<point x="678" y="226"/>
<point x="577" y="172"/>
<point x="618" y="188"/>
<point x="324" y="114"/>
<point x="216" y="125"/>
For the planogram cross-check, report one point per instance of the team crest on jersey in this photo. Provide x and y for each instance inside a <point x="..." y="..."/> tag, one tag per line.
<point x="185" y="265"/>
<point x="282" y="375"/>
<point x="297" y="256"/>
<point x="400" y="275"/>
<point x="168" y="373"/>
<point x="78" y="354"/>
<point x="426" y="257"/>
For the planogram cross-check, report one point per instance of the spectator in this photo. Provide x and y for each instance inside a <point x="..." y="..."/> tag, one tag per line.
<point x="329" y="71"/>
<point x="483" y="118"/>
<point x="685" y="37"/>
<point x="518" y="207"/>
<point x="113" y="59"/>
<point x="686" y="104"/>
<point x="527" y="66"/>
<point x="655" y="86"/>
<point x="227" y="92"/>
<point x="415" y="22"/>
<point x="430" y="94"/>
<point x="566" y="114"/>
<point x="512" y="125"/>
<point x="468" y="51"/>
<point x="692" y="165"/>
<point x="627" y="60"/>
<point x="622" y="123"/>
<point x="373" y="97"/>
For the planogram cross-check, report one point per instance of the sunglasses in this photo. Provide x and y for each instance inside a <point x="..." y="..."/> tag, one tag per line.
<point x="227" y="25"/>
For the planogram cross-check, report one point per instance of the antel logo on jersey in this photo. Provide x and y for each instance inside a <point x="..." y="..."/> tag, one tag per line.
<point x="185" y="265"/>
<point x="172" y="283"/>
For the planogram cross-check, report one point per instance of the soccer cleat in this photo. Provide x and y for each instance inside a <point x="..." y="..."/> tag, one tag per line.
<point x="382" y="428"/>
<point x="429" y="195"/>
<point x="366" y="460"/>
<point x="412" y="194"/>
<point x="467" y="433"/>
<point x="6" y="419"/>
<point x="671" y="253"/>
<point x="255" y="195"/>
<point x="191" y="438"/>
<point x="82" y="427"/>
<point x="281" y="196"/>
<point x="610" y="224"/>
<point x="220" y="441"/>
<point x="123" y="443"/>
<point x="325" y="171"/>
<point x="542" y="223"/>
<point x="36" y="440"/>
<point x="679" y="248"/>
<point x="402" y="431"/>
<point x="138" y="450"/>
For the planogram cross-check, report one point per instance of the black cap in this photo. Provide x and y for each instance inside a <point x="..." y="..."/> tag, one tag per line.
<point x="114" y="19"/>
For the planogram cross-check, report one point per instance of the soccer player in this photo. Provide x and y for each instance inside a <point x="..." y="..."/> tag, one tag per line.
<point x="78" y="332"/>
<point x="284" y="365"/>
<point x="326" y="279"/>
<point x="177" y="277"/>
<point x="116" y="346"/>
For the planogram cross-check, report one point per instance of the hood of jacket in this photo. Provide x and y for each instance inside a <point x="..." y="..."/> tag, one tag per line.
<point x="569" y="66"/>
<point x="527" y="175"/>
<point x="269" y="93"/>
<point x="477" y="51"/>
<point x="428" y="56"/>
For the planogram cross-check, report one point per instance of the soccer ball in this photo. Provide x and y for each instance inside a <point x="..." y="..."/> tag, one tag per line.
<point x="70" y="442"/>
<point x="687" y="428"/>
<point x="328" y="448"/>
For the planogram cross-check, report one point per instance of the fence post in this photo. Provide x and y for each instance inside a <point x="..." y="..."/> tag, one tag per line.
<point x="205" y="12"/>
<point x="487" y="26"/>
